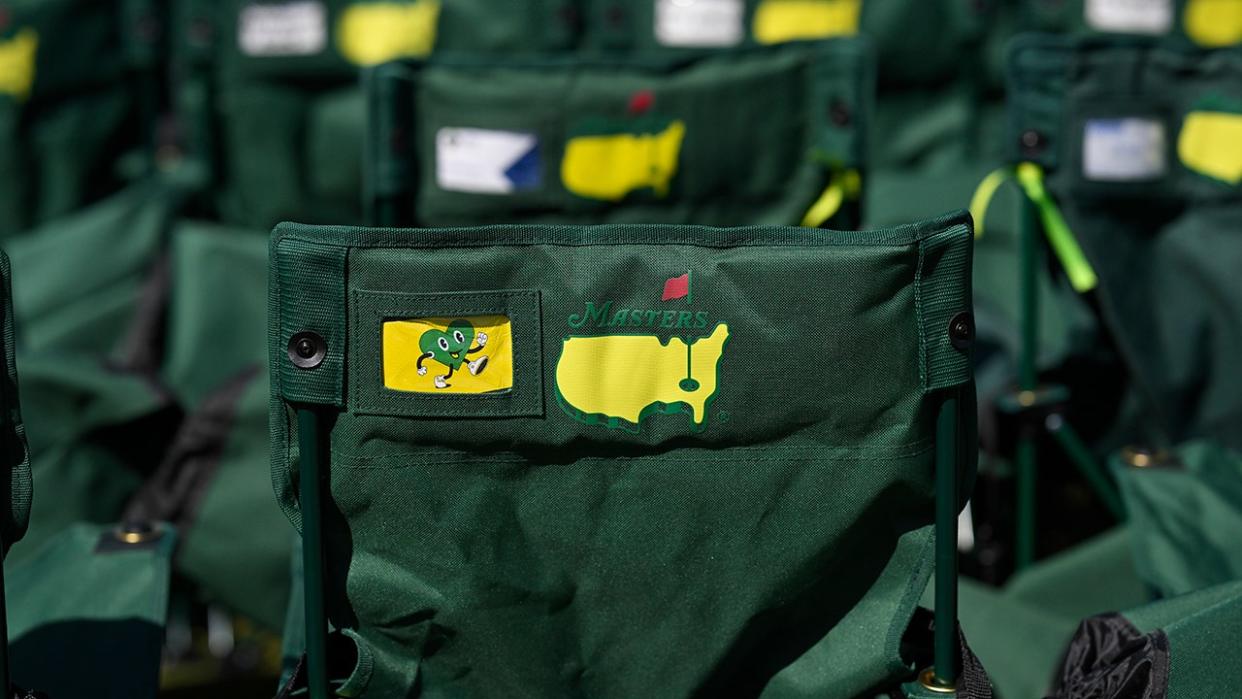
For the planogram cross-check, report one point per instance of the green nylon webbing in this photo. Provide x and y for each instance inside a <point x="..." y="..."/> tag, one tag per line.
<point x="1061" y="239"/>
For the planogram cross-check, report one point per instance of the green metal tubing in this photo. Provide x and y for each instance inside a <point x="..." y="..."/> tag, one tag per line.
<point x="947" y="660"/>
<point x="1028" y="284"/>
<point x="1083" y="459"/>
<point x="310" y="484"/>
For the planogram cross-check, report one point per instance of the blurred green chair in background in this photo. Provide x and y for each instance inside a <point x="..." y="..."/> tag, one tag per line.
<point x="651" y="460"/>
<point x="1130" y="169"/>
<point x="1185" y="510"/>
<point x="1202" y="23"/>
<point x="268" y="91"/>
<point x="79" y="83"/>
<point x="86" y="611"/>
<point x="758" y="136"/>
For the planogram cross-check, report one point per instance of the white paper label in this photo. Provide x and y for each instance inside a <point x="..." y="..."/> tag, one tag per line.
<point x="1124" y="150"/>
<point x="699" y="22"/>
<point x="283" y="29"/>
<point x="1130" y="16"/>
<point x="485" y="161"/>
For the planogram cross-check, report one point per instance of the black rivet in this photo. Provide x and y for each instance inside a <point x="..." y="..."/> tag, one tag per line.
<point x="962" y="330"/>
<point x="307" y="350"/>
<point x="1032" y="142"/>
<point x="839" y="113"/>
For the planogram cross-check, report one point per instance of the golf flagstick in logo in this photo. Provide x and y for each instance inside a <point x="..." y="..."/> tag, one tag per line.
<point x="679" y="288"/>
<point x="620" y="378"/>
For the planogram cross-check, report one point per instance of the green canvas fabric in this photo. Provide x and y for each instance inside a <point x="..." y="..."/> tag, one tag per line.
<point x="16" y="456"/>
<point x="1157" y="234"/>
<point x="213" y="482"/>
<point x="754" y="137"/>
<point x="533" y="538"/>
<point x="87" y="612"/>
<point x="270" y="89"/>
<point x="96" y="418"/>
<point x="1185" y="516"/>
<point x="84" y="277"/>
<point x="71" y="102"/>
<point x="919" y="41"/>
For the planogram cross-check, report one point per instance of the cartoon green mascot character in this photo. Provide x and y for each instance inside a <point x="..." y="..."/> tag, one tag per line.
<point x="451" y="348"/>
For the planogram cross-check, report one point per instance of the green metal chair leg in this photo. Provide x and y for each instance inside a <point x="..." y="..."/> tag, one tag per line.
<point x="311" y="479"/>
<point x="4" y="636"/>
<point x="1068" y="438"/>
<point x="1028" y="261"/>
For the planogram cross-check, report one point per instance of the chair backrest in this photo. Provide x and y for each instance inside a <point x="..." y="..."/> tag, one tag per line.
<point x="72" y="75"/>
<point x="269" y="98"/>
<point x="1139" y="146"/>
<point x="1204" y="23"/>
<point x="621" y="460"/>
<point x="747" y="137"/>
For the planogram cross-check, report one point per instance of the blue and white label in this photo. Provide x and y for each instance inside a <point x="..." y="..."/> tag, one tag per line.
<point x="1130" y="16"/>
<point x="1124" y="150"/>
<point x="487" y="161"/>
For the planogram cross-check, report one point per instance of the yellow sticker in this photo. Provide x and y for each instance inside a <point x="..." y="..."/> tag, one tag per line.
<point x="778" y="21"/>
<point x="611" y="166"/>
<point x="1211" y="144"/>
<point x="1214" y="23"/>
<point x="628" y="377"/>
<point x="17" y="63"/>
<point x="371" y="33"/>
<point x="472" y="354"/>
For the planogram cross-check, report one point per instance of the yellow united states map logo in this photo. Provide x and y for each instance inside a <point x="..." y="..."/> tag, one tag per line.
<point x="620" y="378"/>
<point x="472" y="354"/>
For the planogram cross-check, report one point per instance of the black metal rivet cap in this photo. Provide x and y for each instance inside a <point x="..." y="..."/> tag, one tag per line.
<point x="307" y="350"/>
<point x="1032" y="142"/>
<point x="962" y="330"/>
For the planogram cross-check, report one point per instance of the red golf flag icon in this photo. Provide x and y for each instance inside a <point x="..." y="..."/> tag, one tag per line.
<point x="676" y="288"/>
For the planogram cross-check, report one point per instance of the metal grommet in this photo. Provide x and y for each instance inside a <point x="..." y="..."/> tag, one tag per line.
<point x="839" y="113"/>
<point x="928" y="679"/>
<point x="962" y="330"/>
<point x="1144" y="457"/>
<point x="307" y="350"/>
<point x="136" y="532"/>
<point x="1033" y="142"/>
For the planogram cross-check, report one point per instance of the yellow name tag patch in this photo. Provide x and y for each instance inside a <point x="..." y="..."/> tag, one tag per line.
<point x="1214" y="23"/>
<point x="1211" y="144"/>
<point x="377" y="32"/>
<point x="445" y="355"/>
<point x="17" y="63"/>
<point x="778" y="21"/>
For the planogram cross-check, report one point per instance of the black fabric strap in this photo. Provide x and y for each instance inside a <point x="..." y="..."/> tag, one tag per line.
<point x="973" y="683"/>
<point x="174" y="491"/>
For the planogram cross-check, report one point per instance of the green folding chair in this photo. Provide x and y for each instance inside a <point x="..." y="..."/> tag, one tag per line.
<point x="764" y="136"/>
<point x="77" y="94"/>
<point x="1128" y="160"/>
<point x="1203" y="23"/>
<point x="269" y="93"/>
<point x="93" y="598"/>
<point x="623" y="460"/>
<point x="1184" y="506"/>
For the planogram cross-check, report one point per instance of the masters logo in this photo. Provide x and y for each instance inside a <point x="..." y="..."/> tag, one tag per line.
<point x="620" y="378"/>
